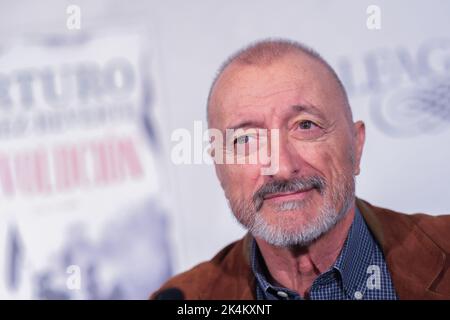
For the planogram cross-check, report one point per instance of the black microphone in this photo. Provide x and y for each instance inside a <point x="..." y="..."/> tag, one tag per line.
<point x="170" y="294"/>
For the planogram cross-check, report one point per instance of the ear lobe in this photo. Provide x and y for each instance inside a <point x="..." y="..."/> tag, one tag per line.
<point x="211" y="151"/>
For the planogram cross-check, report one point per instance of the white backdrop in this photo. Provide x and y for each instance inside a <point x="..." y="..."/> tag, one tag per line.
<point x="397" y="78"/>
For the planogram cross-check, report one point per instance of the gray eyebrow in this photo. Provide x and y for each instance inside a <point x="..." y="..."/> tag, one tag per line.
<point x="297" y="108"/>
<point x="308" y="109"/>
<point x="246" y="123"/>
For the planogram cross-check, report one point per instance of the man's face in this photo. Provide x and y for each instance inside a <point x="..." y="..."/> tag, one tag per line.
<point x="319" y="149"/>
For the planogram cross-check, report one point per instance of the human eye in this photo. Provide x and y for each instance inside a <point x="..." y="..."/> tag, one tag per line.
<point x="243" y="139"/>
<point x="307" y="130"/>
<point x="245" y="142"/>
<point x="306" y="125"/>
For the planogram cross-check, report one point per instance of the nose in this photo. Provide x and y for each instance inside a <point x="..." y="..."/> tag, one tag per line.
<point x="289" y="161"/>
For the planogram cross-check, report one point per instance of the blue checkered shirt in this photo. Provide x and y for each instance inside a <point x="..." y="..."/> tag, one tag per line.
<point x="359" y="273"/>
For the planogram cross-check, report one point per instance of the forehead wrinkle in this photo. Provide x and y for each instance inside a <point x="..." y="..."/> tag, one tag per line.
<point x="309" y="109"/>
<point x="271" y="94"/>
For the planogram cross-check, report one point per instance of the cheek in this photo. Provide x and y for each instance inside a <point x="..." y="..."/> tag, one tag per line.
<point x="239" y="180"/>
<point x="337" y="163"/>
<point x="326" y="158"/>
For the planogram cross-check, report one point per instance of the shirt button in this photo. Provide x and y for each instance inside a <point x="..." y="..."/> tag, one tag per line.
<point x="358" y="295"/>
<point x="282" y="294"/>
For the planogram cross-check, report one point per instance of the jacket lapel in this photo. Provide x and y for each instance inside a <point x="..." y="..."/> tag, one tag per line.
<point x="415" y="262"/>
<point x="247" y="279"/>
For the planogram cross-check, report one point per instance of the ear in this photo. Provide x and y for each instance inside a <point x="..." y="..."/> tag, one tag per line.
<point x="360" y="137"/>
<point x="211" y="151"/>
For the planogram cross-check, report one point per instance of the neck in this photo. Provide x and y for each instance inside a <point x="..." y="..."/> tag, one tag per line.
<point x="296" y="268"/>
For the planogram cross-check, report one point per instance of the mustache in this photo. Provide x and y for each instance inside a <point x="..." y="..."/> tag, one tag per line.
<point x="292" y="185"/>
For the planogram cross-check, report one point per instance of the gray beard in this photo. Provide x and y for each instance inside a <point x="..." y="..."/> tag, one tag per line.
<point x="333" y="210"/>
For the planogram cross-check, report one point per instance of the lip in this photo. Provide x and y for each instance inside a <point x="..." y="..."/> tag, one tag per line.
<point x="299" y="195"/>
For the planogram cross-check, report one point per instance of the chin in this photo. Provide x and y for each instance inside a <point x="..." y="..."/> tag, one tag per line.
<point x="291" y="210"/>
<point x="292" y="227"/>
<point x="290" y="221"/>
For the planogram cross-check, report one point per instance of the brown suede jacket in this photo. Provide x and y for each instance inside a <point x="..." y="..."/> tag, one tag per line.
<point x="416" y="248"/>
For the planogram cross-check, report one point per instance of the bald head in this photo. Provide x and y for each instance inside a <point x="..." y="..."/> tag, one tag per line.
<point x="266" y="52"/>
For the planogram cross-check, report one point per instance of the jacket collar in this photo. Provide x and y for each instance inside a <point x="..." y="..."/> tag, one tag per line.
<point x="415" y="262"/>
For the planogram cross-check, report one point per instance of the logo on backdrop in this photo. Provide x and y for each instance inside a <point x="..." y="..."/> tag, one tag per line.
<point x="408" y="89"/>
